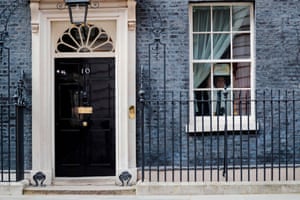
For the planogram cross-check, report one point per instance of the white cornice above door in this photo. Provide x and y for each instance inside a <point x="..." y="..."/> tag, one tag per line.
<point x="53" y="4"/>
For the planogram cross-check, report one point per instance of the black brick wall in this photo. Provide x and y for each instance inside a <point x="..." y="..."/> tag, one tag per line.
<point x="277" y="38"/>
<point x="15" y="21"/>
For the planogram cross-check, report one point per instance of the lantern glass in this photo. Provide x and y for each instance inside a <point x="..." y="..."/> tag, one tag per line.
<point x="77" y="10"/>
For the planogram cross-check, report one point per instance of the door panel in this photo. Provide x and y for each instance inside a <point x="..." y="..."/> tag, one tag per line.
<point x="84" y="117"/>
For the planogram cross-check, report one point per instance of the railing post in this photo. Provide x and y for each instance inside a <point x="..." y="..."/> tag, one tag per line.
<point x="142" y="101"/>
<point x="19" y="142"/>
<point x="225" y="172"/>
<point x="19" y="106"/>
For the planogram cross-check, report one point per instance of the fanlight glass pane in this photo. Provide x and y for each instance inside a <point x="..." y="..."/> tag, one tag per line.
<point x="104" y="47"/>
<point x="68" y="40"/>
<point x="65" y="48"/>
<point x="74" y="33"/>
<point x="83" y="39"/>
<point x="94" y="32"/>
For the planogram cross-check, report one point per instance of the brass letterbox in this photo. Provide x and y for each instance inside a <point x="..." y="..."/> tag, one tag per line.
<point x="84" y="110"/>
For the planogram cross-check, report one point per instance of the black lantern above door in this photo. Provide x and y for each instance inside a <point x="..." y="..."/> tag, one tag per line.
<point x="78" y="10"/>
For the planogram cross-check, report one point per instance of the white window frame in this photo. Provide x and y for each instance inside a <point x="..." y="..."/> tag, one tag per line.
<point x="213" y="123"/>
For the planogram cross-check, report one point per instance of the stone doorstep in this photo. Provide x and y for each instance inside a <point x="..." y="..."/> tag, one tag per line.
<point x="81" y="186"/>
<point x="79" y="190"/>
<point x="215" y="188"/>
<point x="85" y="181"/>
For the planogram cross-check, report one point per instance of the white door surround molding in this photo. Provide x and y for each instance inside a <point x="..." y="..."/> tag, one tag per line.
<point x="43" y="20"/>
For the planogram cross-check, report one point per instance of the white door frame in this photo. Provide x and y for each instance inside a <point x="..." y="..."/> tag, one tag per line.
<point x="43" y="86"/>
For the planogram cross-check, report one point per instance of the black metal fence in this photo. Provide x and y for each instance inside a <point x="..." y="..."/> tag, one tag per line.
<point x="11" y="139"/>
<point x="242" y="136"/>
<point x="11" y="143"/>
<point x="11" y="116"/>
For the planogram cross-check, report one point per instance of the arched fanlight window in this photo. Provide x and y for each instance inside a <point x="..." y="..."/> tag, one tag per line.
<point x="84" y="38"/>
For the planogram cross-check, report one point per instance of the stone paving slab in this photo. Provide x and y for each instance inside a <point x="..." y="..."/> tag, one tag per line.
<point x="216" y="188"/>
<point x="150" y="197"/>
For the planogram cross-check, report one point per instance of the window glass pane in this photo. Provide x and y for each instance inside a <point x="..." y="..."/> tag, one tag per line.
<point x="75" y="34"/>
<point x="202" y="81"/>
<point x="221" y="78"/>
<point x="64" y="48"/>
<point x="241" y="102"/>
<point x="202" y="46"/>
<point x="221" y="46"/>
<point x="241" y="75"/>
<point x="240" y="18"/>
<point x="202" y="103"/>
<point x="241" y="45"/>
<point x="202" y="75"/>
<point x="201" y="19"/>
<point x="221" y="18"/>
<point x="219" y="107"/>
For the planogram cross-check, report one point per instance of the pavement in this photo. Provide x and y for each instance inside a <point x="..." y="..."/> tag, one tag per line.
<point x="150" y="197"/>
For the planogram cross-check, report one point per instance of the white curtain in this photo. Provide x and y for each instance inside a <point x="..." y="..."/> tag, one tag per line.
<point x="202" y="43"/>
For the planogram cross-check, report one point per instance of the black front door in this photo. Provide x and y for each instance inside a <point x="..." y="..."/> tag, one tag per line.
<point x="84" y="117"/>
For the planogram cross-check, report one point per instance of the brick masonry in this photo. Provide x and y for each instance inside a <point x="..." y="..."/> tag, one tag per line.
<point x="277" y="26"/>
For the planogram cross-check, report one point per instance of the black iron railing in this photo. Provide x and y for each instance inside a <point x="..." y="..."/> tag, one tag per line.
<point x="12" y="137"/>
<point x="256" y="137"/>
<point x="11" y="143"/>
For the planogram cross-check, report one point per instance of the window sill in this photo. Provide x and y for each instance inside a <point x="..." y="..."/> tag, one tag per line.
<point x="217" y="124"/>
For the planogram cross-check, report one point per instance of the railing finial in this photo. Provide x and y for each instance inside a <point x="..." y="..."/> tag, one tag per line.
<point x="19" y="96"/>
<point x="142" y="95"/>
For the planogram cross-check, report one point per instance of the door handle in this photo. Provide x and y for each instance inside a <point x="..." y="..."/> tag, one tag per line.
<point x="84" y="123"/>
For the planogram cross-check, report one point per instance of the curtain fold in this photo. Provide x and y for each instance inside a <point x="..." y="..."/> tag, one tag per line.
<point x="202" y="43"/>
